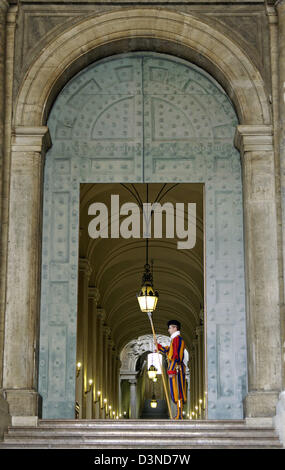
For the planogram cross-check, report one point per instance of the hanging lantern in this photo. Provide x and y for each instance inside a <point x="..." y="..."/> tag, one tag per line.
<point x="153" y="402"/>
<point x="147" y="297"/>
<point x="152" y="371"/>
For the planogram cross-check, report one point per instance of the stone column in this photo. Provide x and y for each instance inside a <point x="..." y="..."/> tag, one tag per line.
<point x="196" y="375"/>
<point x="115" y="382"/>
<point x="200" y="363"/>
<point x="3" y="14"/>
<point x="262" y="276"/>
<point x="200" y="333"/>
<point x="5" y="419"/>
<point x="114" y="373"/>
<point x="188" y="392"/>
<point x="99" y="356"/>
<point x="110" y="374"/>
<point x="89" y="361"/>
<point x="84" y="273"/>
<point x="133" y="398"/>
<point x="192" y="378"/>
<point x="105" y="365"/>
<point x="93" y="297"/>
<point x="118" y="385"/>
<point x="280" y="54"/>
<point x="120" y="396"/>
<point x="8" y="19"/>
<point x="20" y="366"/>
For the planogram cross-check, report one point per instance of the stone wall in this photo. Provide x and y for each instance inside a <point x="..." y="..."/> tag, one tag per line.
<point x="39" y="22"/>
<point x="36" y="24"/>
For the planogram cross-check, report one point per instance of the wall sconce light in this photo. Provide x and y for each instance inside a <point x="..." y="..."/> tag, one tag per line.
<point x="201" y="405"/>
<point x="90" y="386"/>
<point x="105" y="403"/>
<point x="99" y="396"/>
<point x="78" y="368"/>
<point x="125" y="413"/>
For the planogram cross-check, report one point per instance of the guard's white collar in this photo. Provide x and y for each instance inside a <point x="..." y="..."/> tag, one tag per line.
<point x="177" y="333"/>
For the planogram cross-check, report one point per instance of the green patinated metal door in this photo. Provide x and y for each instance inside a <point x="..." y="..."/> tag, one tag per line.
<point x="143" y="117"/>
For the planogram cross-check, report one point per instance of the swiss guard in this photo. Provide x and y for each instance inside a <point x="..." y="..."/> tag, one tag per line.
<point x="176" y="366"/>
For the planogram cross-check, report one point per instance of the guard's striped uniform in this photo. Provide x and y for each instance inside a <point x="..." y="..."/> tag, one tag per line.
<point x="176" y="369"/>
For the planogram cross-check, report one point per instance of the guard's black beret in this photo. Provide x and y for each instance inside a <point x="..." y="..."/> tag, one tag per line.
<point x="175" y="323"/>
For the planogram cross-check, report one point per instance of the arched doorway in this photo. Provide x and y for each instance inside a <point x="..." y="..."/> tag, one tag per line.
<point x="136" y="118"/>
<point x="114" y="266"/>
<point x="136" y="358"/>
<point x="202" y="44"/>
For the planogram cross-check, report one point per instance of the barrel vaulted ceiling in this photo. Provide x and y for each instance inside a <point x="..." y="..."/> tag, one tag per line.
<point x="118" y="264"/>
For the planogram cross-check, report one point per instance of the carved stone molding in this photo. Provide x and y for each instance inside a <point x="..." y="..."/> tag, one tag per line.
<point x="243" y="77"/>
<point x="101" y="313"/>
<point x="4" y="5"/>
<point x="85" y="265"/>
<point x="250" y="138"/>
<point x="31" y="139"/>
<point x="93" y="293"/>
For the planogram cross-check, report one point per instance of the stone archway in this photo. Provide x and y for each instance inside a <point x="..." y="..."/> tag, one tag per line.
<point x="77" y="47"/>
<point x="141" y="117"/>
<point x="50" y="71"/>
<point x="130" y="354"/>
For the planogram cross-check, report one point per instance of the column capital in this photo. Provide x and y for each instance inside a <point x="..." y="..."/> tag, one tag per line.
<point x="93" y="293"/>
<point x="101" y="314"/>
<point x="254" y="138"/>
<point x="280" y="4"/>
<point x="111" y="342"/>
<point x="132" y="381"/>
<point x="12" y="15"/>
<point x="199" y="330"/>
<point x="107" y="330"/>
<point x="272" y="14"/>
<point x="31" y="139"/>
<point x="4" y="5"/>
<point x="85" y="265"/>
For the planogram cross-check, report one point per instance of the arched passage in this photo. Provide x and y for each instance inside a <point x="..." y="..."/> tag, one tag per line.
<point x="167" y="31"/>
<point x="144" y="117"/>
<point x="134" y="366"/>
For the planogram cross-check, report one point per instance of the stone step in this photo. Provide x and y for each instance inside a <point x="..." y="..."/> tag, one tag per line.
<point x="146" y="424"/>
<point x="179" y="433"/>
<point x="140" y="434"/>
<point x="120" y="443"/>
